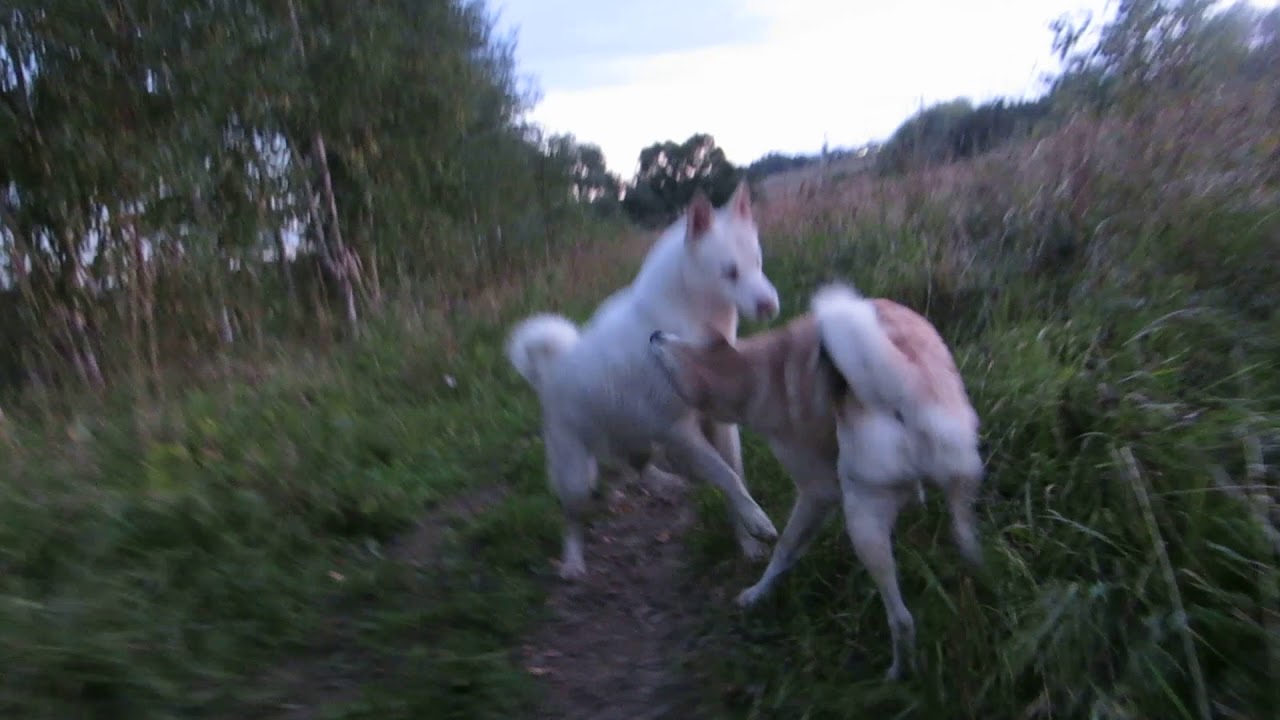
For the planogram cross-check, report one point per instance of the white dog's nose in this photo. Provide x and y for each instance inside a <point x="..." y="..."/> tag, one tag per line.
<point x="766" y="309"/>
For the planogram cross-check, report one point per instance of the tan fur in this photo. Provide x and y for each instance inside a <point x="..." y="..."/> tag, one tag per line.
<point x="924" y="353"/>
<point x="784" y="385"/>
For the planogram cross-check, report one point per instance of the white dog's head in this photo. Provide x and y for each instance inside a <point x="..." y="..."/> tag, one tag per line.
<point x="725" y="249"/>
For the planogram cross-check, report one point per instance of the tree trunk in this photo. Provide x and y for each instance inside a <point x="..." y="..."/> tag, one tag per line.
<point x="338" y="255"/>
<point x="344" y="266"/>
<point x="80" y="344"/>
<point x="144" y="318"/>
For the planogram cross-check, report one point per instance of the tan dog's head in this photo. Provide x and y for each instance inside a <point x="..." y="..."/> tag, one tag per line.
<point x="713" y="378"/>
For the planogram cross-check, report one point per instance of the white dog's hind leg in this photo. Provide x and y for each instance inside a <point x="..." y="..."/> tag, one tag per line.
<point x="572" y="472"/>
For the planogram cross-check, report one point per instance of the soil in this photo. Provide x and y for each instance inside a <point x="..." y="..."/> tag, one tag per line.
<point x="614" y="645"/>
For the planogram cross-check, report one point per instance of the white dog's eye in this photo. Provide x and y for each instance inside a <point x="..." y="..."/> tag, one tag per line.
<point x="731" y="273"/>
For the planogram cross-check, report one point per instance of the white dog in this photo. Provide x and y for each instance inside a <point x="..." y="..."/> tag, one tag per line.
<point x="859" y="400"/>
<point x="604" y="399"/>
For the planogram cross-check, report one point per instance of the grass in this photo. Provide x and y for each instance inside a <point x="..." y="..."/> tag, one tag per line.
<point x="1123" y="581"/>
<point x="1119" y="340"/>
<point x="1131" y="412"/>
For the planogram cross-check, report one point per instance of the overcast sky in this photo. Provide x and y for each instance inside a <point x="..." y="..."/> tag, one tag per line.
<point x="764" y="75"/>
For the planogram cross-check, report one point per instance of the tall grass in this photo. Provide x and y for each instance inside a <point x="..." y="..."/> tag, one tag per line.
<point x="1109" y="292"/>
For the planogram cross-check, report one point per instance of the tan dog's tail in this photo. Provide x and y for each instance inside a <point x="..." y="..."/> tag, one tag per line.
<point x="860" y="349"/>
<point x="537" y="342"/>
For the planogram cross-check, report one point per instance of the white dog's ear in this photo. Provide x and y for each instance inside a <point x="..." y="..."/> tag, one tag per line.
<point x="699" y="216"/>
<point x="741" y="201"/>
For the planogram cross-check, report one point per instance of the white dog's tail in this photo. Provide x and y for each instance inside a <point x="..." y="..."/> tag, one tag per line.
<point x="537" y="342"/>
<point x="860" y="350"/>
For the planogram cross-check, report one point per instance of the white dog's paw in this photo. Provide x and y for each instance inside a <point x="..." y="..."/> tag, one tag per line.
<point x="901" y="669"/>
<point x="758" y="524"/>
<point x="752" y="549"/>
<point x="750" y="596"/>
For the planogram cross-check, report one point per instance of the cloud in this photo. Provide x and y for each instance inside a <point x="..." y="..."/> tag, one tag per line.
<point x="579" y="44"/>
<point x="764" y="75"/>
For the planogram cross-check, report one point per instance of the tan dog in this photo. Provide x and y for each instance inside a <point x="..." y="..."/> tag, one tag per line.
<point x="860" y="401"/>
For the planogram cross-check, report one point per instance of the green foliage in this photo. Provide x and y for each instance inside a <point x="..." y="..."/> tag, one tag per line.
<point x="1110" y="300"/>
<point x="152" y="565"/>
<point x="583" y="164"/>
<point x="1089" y="404"/>
<point x="163" y="163"/>
<point x="773" y="163"/>
<point x="1154" y="50"/>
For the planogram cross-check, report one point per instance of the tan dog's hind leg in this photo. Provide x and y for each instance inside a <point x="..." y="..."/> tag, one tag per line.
<point x="817" y="495"/>
<point x="870" y="513"/>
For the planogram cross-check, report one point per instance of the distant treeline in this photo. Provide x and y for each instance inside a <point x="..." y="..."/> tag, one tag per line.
<point x="957" y="129"/>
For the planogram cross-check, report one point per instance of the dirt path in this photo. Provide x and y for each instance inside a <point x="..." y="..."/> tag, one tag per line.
<point x="613" y="644"/>
<point x="613" y="647"/>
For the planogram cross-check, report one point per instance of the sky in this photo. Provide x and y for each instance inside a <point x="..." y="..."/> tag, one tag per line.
<point x="771" y="75"/>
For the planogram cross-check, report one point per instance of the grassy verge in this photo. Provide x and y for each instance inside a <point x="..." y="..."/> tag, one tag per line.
<point x="250" y="549"/>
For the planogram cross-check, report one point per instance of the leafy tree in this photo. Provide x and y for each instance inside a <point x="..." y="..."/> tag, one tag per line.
<point x="671" y="172"/>
<point x="187" y="174"/>
<point x="1159" y="48"/>
<point x="589" y="179"/>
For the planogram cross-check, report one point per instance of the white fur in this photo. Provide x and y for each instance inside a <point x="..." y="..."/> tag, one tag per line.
<point x="604" y="400"/>
<point x="538" y="341"/>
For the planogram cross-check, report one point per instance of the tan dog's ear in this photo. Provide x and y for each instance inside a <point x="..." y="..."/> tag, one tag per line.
<point x="718" y="344"/>
<point x="699" y="216"/>
<point x="683" y="368"/>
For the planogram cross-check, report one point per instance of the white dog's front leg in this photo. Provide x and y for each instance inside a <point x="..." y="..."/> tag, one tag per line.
<point x="690" y="450"/>
<point x="727" y="441"/>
